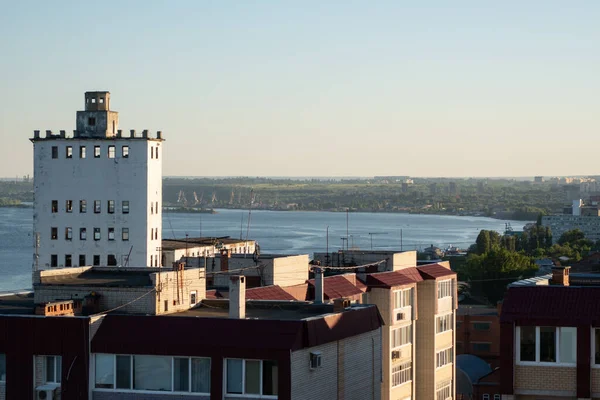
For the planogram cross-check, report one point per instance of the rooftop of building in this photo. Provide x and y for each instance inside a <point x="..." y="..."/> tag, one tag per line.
<point x="273" y="292"/>
<point x="99" y="276"/>
<point x="183" y="243"/>
<point x="18" y="303"/>
<point x="337" y="286"/>
<point x="407" y="276"/>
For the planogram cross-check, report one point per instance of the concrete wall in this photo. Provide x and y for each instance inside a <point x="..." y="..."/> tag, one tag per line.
<point x="425" y="340"/>
<point x="406" y="259"/>
<point x="359" y="381"/>
<point x="282" y="271"/>
<point x="193" y="251"/>
<point x="136" y="179"/>
<point x="192" y="280"/>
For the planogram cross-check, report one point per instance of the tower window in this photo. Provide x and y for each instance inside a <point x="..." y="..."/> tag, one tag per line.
<point x="125" y="151"/>
<point x="111" y="151"/>
<point x="101" y="100"/>
<point x="92" y="121"/>
<point x="96" y="233"/>
<point x="69" y="151"/>
<point x="97" y="208"/>
<point x="54" y="206"/>
<point x="81" y="151"/>
<point x="54" y="260"/>
<point x="125" y="234"/>
<point x="81" y="260"/>
<point x="111" y="233"/>
<point x="96" y="260"/>
<point x="53" y="233"/>
<point x="111" y="260"/>
<point x="68" y="233"/>
<point x="69" y="206"/>
<point x="82" y="234"/>
<point x="82" y="206"/>
<point x="54" y="151"/>
<point x="151" y="152"/>
<point x="93" y="101"/>
<point x="96" y="151"/>
<point x="125" y="206"/>
<point x="156" y="153"/>
<point x="111" y="206"/>
<point x="68" y="262"/>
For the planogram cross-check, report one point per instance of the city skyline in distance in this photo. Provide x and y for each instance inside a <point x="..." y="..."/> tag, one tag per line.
<point x="281" y="89"/>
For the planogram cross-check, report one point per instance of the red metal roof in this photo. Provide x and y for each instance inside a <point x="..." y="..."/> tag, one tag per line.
<point x="273" y="292"/>
<point x="433" y="271"/>
<point x="552" y="305"/>
<point x="336" y="287"/>
<point x="389" y="279"/>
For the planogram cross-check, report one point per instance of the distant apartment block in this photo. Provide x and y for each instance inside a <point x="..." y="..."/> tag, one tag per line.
<point x="577" y="216"/>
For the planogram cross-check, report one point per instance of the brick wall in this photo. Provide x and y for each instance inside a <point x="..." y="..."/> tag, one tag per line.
<point x="362" y="377"/>
<point x="595" y="376"/>
<point x="96" y="395"/>
<point x="320" y="383"/>
<point x="557" y="379"/>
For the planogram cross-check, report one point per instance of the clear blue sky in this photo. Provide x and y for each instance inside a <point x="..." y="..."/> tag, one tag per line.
<point x="315" y="88"/>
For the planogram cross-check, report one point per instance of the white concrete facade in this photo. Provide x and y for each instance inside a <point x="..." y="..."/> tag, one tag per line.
<point x="97" y="200"/>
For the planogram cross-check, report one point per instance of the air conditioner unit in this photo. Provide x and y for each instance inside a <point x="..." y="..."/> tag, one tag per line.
<point x="395" y="354"/>
<point x="315" y="359"/>
<point x="45" y="392"/>
<point x="400" y="316"/>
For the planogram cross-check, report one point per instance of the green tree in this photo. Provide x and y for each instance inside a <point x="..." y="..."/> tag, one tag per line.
<point x="483" y="242"/>
<point x="572" y="236"/>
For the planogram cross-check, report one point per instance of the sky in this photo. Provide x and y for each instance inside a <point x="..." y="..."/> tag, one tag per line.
<point x="315" y="88"/>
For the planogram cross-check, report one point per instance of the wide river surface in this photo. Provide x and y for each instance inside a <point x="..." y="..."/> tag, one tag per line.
<point x="275" y="231"/>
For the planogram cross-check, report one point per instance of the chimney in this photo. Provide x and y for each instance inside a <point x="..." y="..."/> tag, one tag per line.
<point x="318" y="285"/>
<point x="225" y="254"/>
<point x="560" y="276"/>
<point x="237" y="297"/>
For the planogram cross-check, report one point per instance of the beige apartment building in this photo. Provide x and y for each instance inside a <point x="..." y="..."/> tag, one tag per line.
<point x="418" y="306"/>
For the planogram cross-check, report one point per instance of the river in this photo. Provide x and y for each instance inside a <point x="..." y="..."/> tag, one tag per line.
<point x="291" y="232"/>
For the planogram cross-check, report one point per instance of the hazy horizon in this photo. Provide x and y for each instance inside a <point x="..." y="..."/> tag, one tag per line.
<point x="323" y="89"/>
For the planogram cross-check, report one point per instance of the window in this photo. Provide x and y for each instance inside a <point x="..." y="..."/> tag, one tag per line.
<point x="82" y="234"/>
<point x="444" y="289"/>
<point x="151" y="208"/>
<point x="111" y="260"/>
<point x="444" y="390"/>
<point x="443" y="323"/>
<point x="54" y="151"/>
<point x="156" y="153"/>
<point x="81" y="151"/>
<point x="125" y="151"/>
<point x="111" y="206"/>
<point x="125" y="234"/>
<point x="69" y="153"/>
<point x="81" y="260"/>
<point x="151" y="237"/>
<point x="97" y="206"/>
<point x="68" y="233"/>
<point x="101" y="100"/>
<point x="111" y="233"/>
<point x="156" y="206"/>
<point x="154" y="373"/>
<point x="166" y="301"/>
<point x="96" y="260"/>
<point x="481" y="326"/>
<point x="401" y="336"/>
<point x="125" y="206"/>
<point x="82" y="206"/>
<point x="96" y="151"/>
<point x="193" y="296"/>
<point x="53" y="368"/>
<point x="486" y="397"/>
<point x="68" y="260"/>
<point x="401" y="373"/>
<point x="258" y="377"/>
<point x="444" y="357"/>
<point x="2" y="367"/>
<point x="156" y="234"/>
<point x="403" y="298"/>
<point x="547" y="344"/>
<point x="92" y="120"/>
<point x="54" y="206"/>
<point x="111" y="151"/>
<point x="69" y="206"/>
<point x="496" y="397"/>
<point x="54" y="233"/>
<point x="54" y="260"/>
<point x="96" y="233"/>
<point x="152" y="152"/>
<point x="481" y="347"/>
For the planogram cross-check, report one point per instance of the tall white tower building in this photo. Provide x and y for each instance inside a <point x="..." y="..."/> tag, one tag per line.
<point x="98" y="194"/>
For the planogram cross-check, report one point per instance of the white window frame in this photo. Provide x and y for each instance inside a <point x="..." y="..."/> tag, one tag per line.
<point x="486" y="396"/>
<point x="131" y="376"/>
<point x="57" y="371"/>
<point x="444" y="386"/>
<point x="393" y="334"/>
<point x="441" y="285"/>
<point x="497" y="397"/>
<point x="446" y="356"/>
<point x="400" y="296"/>
<point x="259" y="396"/>
<point x="450" y="324"/>
<point x="396" y="376"/>
<point x="558" y="362"/>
